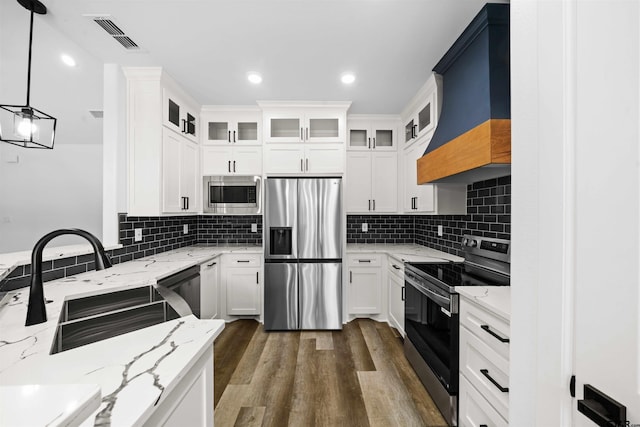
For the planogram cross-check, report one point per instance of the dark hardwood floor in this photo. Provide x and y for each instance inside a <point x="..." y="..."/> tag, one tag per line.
<point x="354" y="377"/>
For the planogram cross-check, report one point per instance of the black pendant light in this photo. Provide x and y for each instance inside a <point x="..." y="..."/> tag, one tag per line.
<point x="24" y="125"/>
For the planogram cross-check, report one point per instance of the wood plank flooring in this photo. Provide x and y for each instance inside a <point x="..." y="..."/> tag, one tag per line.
<point x="354" y="377"/>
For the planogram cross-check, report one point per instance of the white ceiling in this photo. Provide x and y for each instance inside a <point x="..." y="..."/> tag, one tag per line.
<point x="299" y="46"/>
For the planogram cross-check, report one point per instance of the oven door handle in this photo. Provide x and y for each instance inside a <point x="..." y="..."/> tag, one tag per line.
<point x="442" y="301"/>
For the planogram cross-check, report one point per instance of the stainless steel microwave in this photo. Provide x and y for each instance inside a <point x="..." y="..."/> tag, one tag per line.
<point x="232" y="195"/>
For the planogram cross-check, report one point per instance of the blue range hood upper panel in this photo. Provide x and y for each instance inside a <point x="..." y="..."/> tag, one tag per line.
<point x="475" y="76"/>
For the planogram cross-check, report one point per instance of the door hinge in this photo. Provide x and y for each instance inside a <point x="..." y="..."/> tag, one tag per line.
<point x="572" y="386"/>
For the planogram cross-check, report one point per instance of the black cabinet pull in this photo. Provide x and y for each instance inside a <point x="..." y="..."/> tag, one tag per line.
<point x="413" y="131"/>
<point x="369" y="204"/>
<point x="307" y="164"/>
<point x="350" y="276"/>
<point x="229" y="165"/>
<point x="234" y="165"/>
<point x="257" y="279"/>
<point x="374" y="204"/>
<point x="369" y="142"/>
<point x="234" y="136"/>
<point x="374" y="142"/>
<point x="212" y="264"/>
<point x="243" y="260"/>
<point x="301" y="134"/>
<point x="364" y="260"/>
<point x="187" y="203"/>
<point x="395" y="266"/>
<point x="483" y="425"/>
<point x="307" y="136"/>
<point x="301" y="165"/>
<point x="229" y="136"/>
<point x="485" y="372"/>
<point x="403" y="293"/>
<point x="602" y="409"/>
<point x="488" y="330"/>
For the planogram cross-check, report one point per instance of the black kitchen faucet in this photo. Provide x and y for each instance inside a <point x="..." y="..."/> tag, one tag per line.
<point x="36" y="311"/>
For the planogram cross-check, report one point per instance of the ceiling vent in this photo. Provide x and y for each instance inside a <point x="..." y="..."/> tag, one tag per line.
<point x="107" y="24"/>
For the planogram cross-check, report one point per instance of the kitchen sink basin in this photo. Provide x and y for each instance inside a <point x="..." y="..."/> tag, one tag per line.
<point x="98" y="304"/>
<point x="98" y="317"/>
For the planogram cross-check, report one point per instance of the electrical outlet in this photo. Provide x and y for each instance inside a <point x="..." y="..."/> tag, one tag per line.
<point x="440" y="231"/>
<point x="254" y="228"/>
<point x="185" y="229"/>
<point x="365" y="227"/>
<point x="137" y="237"/>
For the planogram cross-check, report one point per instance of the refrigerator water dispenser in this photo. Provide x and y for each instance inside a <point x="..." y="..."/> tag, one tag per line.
<point x="280" y="240"/>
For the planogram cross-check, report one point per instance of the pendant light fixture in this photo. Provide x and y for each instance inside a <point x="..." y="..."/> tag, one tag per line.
<point x="24" y="125"/>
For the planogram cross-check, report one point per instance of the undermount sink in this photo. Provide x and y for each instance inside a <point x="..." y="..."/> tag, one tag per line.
<point x="98" y="317"/>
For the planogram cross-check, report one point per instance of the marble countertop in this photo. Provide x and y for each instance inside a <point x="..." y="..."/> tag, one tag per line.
<point x="57" y="405"/>
<point x="24" y="351"/>
<point x="405" y="252"/>
<point x="494" y="298"/>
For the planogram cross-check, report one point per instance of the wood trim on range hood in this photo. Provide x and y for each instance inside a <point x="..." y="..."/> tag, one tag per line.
<point x="483" y="152"/>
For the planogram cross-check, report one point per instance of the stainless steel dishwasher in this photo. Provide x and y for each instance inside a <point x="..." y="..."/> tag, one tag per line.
<point x="187" y="285"/>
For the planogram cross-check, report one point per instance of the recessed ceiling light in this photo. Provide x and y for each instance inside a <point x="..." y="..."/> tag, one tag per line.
<point x="68" y="60"/>
<point x="254" y="78"/>
<point x="348" y="78"/>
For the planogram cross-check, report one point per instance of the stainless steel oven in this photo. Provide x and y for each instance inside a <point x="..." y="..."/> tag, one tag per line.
<point x="432" y="321"/>
<point x="232" y="195"/>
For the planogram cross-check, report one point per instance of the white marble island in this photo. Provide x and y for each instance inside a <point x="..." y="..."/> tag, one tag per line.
<point x="138" y="373"/>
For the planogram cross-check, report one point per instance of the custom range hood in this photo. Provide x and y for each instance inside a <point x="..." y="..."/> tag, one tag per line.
<point x="473" y="139"/>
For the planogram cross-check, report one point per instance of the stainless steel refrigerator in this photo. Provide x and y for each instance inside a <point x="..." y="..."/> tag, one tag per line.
<point x="303" y="253"/>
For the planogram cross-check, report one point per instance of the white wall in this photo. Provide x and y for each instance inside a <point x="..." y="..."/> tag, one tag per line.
<point x="62" y="187"/>
<point x="575" y="76"/>
<point x="46" y="190"/>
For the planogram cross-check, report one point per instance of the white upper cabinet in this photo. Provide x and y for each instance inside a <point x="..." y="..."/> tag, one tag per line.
<point x="162" y="152"/>
<point x="231" y="125"/>
<point x="421" y="114"/>
<point x="230" y="160"/>
<point x="179" y="114"/>
<point x="429" y="198"/>
<point x="372" y="133"/>
<point x="296" y="159"/>
<point x="372" y="184"/>
<point x="304" y="122"/>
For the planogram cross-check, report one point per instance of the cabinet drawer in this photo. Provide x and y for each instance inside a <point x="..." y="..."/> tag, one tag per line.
<point x="396" y="268"/>
<point x="242" y="260"/>
<point x="474" y="410"/>
<point x="364" y="260"/>
<point x="483" y="366"/>
<point x="491" y="329"/>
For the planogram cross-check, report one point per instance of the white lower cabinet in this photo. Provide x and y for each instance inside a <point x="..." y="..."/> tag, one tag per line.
<point x="189" y="402"/>
<point x="242" y="278"/>
<point x="209" y="290"/>
<point x="364" y="284"/>
<point x="484" y="366"/>
<point x="395" y="275"/>
<point x="474" y="410"/>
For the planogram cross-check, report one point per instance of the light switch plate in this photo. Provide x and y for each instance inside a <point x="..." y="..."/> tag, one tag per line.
<point x="137" y="237"/>
<point x="440" y="232"/>
<point x="365" y="227"/>
<point x="185" y="229"/>
<point x="254" y="228"/>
